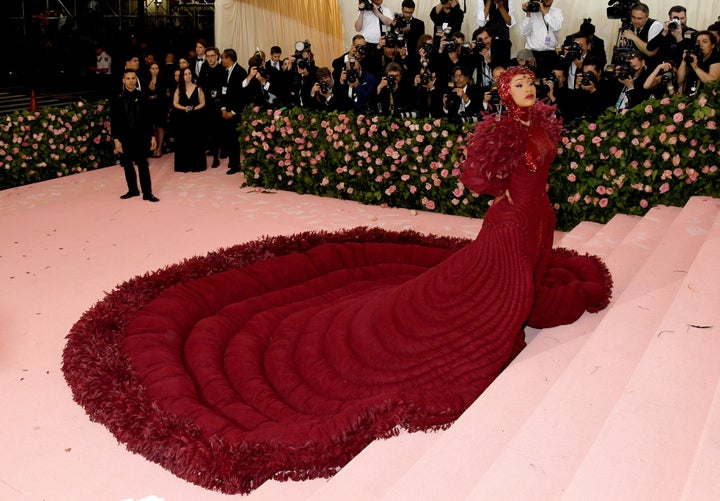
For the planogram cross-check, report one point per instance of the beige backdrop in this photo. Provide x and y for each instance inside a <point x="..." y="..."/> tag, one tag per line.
<point x="245" y="24"/>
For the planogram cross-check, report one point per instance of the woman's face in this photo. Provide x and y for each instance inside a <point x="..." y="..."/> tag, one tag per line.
<point x="705" y="44"/>
<point x="176" y="75"/>
<point x="187" y="75"/>
<point x="154" y="69"/>
<point x="522" y="90"/>
<point x="183" y="63"/>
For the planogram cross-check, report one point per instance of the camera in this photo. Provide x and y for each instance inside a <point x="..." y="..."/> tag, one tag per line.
<point x="391" y="81"/>
<point x="465" y="50"/>
<point x="301" y="46"/>
<point x="668" y="77"/>
<point x="361" y="50"/>
<point x="573" y="51"/>
<point x="391" y="40"/>
<point x="444" y="1"/>
<point x="696" y="51"/>
<point x="368" y="5"/>
<point x="452" y="103"/>
<point x="620" y="9"/>
<point x="324" y="87"/>
<point x="674" y="24"/>
<point x="543" y="84"/>
<point x="533" y="6"/>
<point x="494" y="96"/>
<point x="351" y="76"/>
<point x="479" y="47"/>
<point x="408" y="114"/>
<point x="262" y="71"/>
<point x="425" y="78"/>
<point x="302" y="63"/>
<point x="428" y="49"/>
<point x="400" y="22"/>
<point x="450" y="45"/>
<point x="625" y="71"/>
<point x="587" y="78"/>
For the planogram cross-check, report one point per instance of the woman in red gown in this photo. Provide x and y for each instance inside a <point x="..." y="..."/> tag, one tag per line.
<point x="291" y="365"/>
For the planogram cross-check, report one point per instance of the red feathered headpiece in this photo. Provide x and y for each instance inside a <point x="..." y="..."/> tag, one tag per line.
<point x="499" y="142"/>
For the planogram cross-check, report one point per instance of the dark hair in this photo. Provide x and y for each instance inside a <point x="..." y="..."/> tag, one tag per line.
<point x="322" y="73"/>
<point x="642" y="7"/>
<point x="408" y="4"/>
<point x="275" y="50"/>
<point x="393" y="66"/>
<point x="593" y="61"/>
<point x="480" y="31"/>
<point x="255" y="60"/>
<point x="202" y="42"/>
<point x="230" y="54"/>
<point x="461" y="69"/>
<point x="587" y="27"/>
<point x="676" y="8"/>
<point x="129" y="70"/>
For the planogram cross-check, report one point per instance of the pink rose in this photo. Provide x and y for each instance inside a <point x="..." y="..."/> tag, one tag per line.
<point x="603" y="202"/>
<point x="644" y="203"/>
<point x="678" y="117"/>
<point x="648" y="108"/>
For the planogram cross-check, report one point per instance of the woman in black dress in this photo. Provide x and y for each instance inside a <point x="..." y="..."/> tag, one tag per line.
<point x="155" y="90"/>
<point x="188" y="102"/>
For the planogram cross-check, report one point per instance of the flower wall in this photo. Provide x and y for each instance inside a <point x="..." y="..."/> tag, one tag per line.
<point x="660" y="153"/>
<point x="54" y="142"/>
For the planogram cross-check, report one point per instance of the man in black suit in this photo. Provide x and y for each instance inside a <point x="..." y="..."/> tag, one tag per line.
<point x="212" y="78"/>
<point x="197" y="62"/>
<point x="132" y="131"/>
<point x="465" y="98"/>
<point x="231" y="104"/>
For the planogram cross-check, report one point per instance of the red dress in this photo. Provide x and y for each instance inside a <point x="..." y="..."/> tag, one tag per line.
<point x="290" y="366"/>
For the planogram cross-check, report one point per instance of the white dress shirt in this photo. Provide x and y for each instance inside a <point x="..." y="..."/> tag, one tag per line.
<point x="482" y="20"/>
<point x="541" y="32"/>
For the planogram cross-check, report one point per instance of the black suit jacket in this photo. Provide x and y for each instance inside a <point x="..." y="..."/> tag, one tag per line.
<point x="131" y="122"/>
<point x="232" y="97"/>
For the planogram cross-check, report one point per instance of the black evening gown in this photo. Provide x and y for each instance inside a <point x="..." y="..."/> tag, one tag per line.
<point x="189" y="139"/>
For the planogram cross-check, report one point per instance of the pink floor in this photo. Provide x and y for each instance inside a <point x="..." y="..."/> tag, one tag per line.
<point x="624" y="404"/>
<point x="68" y="241"/>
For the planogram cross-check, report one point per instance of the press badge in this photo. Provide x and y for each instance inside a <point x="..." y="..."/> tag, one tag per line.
<point x="547" y="41"/>
<point x="224" y="90"/>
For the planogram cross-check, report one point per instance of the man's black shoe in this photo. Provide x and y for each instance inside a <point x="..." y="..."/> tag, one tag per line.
<point x="232" y="171"/>
<point x="216" y="163"/>
<point x="223" y="154"/>
<point x="129" y="194"/>
<point x="151" y="198"/>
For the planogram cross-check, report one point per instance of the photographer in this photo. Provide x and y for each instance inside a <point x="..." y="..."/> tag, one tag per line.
<point x="540" y="27"/>
<point x="497" y="16"/>
<point x="700" y="64"/>
<point x="464" y="99"/>
<point x="257" y="86"/>
<point x="573" y="56"/>
<point x="322" y="93"/>
<point x="358" y="50"/>
<point x="642" y="29"/>
<point x="303" y="83"/>
<point x="593" y="93"/>
<point x="451" y="53"/>
<point x="674" y="38"/>
<point x="555" y="88"/>
<point x="447" y="16"/>
<point x="356" y="88"/>
<point x="483" y="57"/>
<point x="389" y="50"/>
<point x="595" y="45"/>
<point x="408" y="26"/>
<point x="429" y="99"/>
<point x="662" y="81"/>
<point x="632" y="75"/>
<point x="394" y="96"/>
<point x="373" y="21"/>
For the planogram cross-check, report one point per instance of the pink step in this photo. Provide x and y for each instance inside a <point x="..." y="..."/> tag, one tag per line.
<point x="648" y="444"/>
<point x="545" y="454"/>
